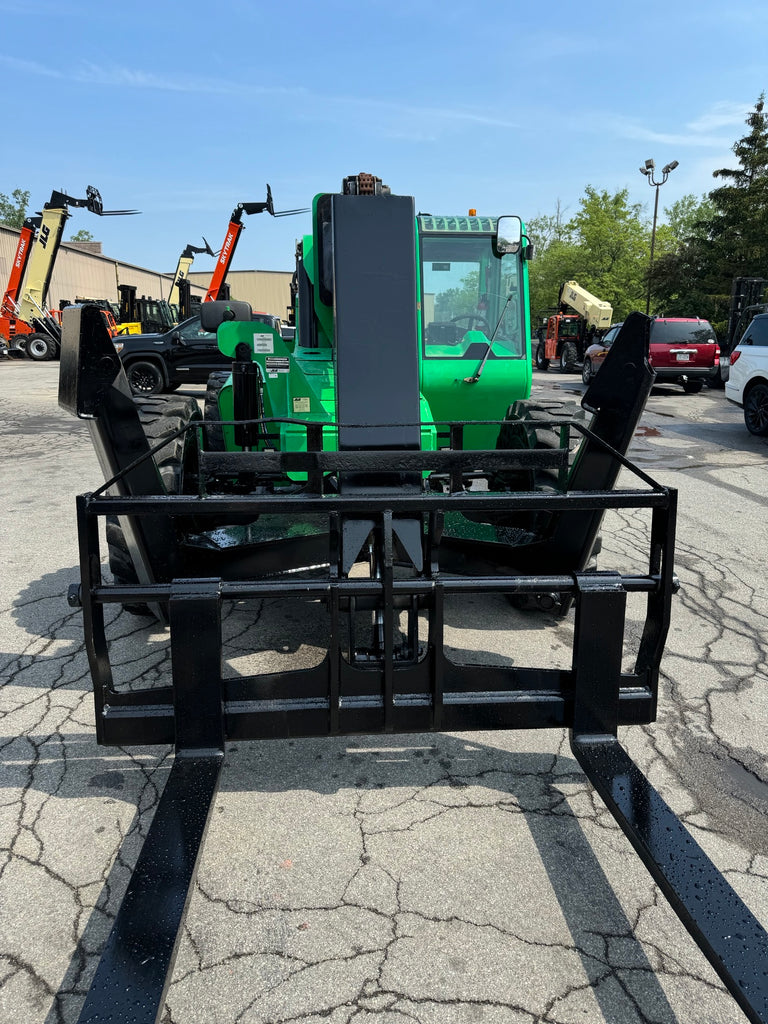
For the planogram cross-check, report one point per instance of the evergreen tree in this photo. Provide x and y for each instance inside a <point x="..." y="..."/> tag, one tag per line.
<point x="727" y="238"/>
<point x="739" y="227"/>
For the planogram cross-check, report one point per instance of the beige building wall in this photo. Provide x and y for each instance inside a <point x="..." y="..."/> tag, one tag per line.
<point x="268" y="291"/>
<point x="79" y="272"/>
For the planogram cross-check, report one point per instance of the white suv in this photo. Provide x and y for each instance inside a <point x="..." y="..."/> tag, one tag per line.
<point x="747" y="383"/>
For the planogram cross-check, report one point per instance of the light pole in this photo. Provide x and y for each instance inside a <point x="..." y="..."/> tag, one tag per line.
<point x="648" y="171"/>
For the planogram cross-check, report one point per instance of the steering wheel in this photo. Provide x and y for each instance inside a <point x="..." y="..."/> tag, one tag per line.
<point x="473" y="318"/>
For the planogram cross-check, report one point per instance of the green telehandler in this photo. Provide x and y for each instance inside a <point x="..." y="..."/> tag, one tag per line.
<point x="383" y="461"/>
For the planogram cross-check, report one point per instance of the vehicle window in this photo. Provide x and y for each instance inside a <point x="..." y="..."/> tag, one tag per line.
<point x="467" y="287"/>
<point x="666" y="332"/>
<point x="193" y="331"/>
<point x="569" y="328"/>
<point x="756" y="333"/>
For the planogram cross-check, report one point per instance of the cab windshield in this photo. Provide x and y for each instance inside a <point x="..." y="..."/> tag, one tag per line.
<point x="569" y="328"/>
<point x="465" y="287"/>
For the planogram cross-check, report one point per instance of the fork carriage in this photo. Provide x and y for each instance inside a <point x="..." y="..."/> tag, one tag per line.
<point x="397" y="510"/>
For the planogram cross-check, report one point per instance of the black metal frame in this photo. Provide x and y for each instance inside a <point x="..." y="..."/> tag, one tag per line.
<point x="387" y="692"/>
<point x="201" y="710"/>
<point x="338" y="696"/>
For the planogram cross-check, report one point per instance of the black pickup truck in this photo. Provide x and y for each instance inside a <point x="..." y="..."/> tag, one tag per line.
<point x="186" y="354"/>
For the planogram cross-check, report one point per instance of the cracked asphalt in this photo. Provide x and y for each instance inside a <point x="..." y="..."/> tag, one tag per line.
<point x="439" y="878"/>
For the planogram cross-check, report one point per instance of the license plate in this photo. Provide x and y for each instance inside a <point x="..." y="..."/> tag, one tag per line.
<point x="683" y="357"/>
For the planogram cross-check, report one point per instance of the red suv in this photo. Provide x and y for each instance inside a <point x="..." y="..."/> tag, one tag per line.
<point x="683" y="350"/>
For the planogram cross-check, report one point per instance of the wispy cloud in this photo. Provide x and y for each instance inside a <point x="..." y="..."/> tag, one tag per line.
<point x="700" y="133"/>
<point x="636" y="131"/>
<point x="30" y="67"/>
<point x="395" y="120"/>
<point x="721" y="115"/>
<point x="87" y="73"/>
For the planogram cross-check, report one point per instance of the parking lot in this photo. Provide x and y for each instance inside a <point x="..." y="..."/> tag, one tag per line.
<point x="438" y="879"/>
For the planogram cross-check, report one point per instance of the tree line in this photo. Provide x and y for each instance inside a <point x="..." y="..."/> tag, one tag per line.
<point x="701" y="244"/>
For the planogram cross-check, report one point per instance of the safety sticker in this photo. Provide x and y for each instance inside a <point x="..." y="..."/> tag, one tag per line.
<point x="301" y="405"/>
<point x="277" y="364"/>
<point x="263" y="343"/>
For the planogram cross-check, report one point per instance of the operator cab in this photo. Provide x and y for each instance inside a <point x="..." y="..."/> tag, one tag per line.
<point x="471" y="282"/>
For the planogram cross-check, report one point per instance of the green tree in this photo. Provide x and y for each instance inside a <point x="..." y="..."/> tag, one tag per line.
<point x="604" y="247"/>
<point x="680" y="269"/>
<point x="612" y="239"/>
<point x="82" y="236"/>
<point x="13" y="209"/>
<point x="545" y="229"/>
<point x="688" y="216"/>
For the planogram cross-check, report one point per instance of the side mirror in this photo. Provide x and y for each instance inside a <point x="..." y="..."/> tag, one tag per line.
<point x="176" y="338"/>
<point x="213" y="314"/>
<point x="509" y="235"/>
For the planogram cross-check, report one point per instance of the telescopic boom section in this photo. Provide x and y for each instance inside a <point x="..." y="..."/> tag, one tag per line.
<point x="53" y="218"/>
<point x="595" y="312"/>
<point x="234" y="230"/>
<point x="20" y="261"/>
<point x="186" y="260"/>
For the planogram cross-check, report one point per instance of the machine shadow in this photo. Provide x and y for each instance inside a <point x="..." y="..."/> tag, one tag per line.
<point x="529" y="783"/>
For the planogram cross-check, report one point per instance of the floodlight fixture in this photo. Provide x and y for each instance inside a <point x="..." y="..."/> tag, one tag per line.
<point x="648" y="171"/>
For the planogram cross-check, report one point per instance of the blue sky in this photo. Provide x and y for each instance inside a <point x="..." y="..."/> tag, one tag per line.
<point x="184" y="110"/>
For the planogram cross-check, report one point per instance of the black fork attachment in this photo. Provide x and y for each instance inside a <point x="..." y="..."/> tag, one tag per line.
<point x="391" y="686"/>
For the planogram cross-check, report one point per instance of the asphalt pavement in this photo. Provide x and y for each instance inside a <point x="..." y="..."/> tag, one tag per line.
<point x="437" y="879"/>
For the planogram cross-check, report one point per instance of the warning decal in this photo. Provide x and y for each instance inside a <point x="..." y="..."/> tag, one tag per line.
<point x="263" y="343"/>
<point x="277" y="364"/>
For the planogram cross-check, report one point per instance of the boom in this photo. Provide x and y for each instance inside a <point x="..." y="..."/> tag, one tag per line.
<point x="182" y="269"/>
<point x="54" y="216"/>
<point x="20" y="260"/>
<point x="232" y="237"/>
<point x="597" y="313"/>
<point x="234" y="229"/>
<point x="31" y="310"/>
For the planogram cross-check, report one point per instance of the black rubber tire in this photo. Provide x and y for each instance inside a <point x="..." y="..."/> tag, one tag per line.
<point x="692" y="387"/>
<point x="214" y="434"/>
<point x="586" y="371"/>
<point x="541" y="363"/>
<point x="569" y="357"/>
<point x="39" y="347"/>
<point x="525" y="427"/>
<point x="756" y="410"/>
<point x="145" y="378"/>
<point x="160" y="417"/>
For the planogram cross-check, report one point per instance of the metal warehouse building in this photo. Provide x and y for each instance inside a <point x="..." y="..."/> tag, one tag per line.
<point x="81" y="270"/>
<point x="268" y="291"/>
